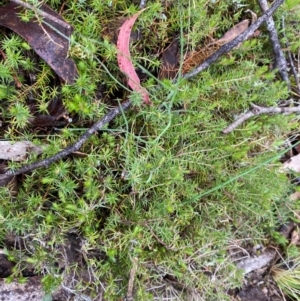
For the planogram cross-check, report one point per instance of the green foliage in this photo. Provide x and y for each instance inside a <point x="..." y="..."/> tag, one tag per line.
<point x="161" y="184"/>
<point x="20" y="115"/>
<point x="288" y="278"/>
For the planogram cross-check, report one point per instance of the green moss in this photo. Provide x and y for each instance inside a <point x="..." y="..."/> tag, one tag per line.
<point x="161" y="184"/>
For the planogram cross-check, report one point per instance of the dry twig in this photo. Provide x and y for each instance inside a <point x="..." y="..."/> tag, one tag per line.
<point x="256" y="111"/>
<point x="129" y="296"/>
<point x="71" y="148"/>
<point x="280" y="61"/>
<point x="291" y="61"/>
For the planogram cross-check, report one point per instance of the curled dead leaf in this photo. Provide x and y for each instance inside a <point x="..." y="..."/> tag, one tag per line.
<point x="124" y="59"/>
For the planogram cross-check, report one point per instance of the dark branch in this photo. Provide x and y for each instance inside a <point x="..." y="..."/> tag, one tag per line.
<point x="280" y="61"/>
<point x="291" y="61"/>
<point x="71" y="148"/>
<point x="229" y="46"/>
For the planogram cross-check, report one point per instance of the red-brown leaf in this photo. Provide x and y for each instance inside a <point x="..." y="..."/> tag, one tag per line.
<point x="124" y="59"/>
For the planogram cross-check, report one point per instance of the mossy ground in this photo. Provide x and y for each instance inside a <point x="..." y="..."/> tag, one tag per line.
<point x="159" y="187"/>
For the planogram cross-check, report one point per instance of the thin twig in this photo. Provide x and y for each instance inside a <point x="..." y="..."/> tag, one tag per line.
<point x="133" y="270"/>
<point x="256" y="111"/>
<point x="71" y="148"/>
<point x="43" y="14"/>
<point x="46" y="33"/>
<point x="291" y="61"/>
<point x="280" y="61"/>
<point x="229" y="46"/>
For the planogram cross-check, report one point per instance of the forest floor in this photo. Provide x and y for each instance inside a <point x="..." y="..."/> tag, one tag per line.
<point x="149" y="150"/>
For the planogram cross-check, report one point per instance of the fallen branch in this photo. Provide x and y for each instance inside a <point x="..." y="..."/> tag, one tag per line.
<point x="291" y="61"/>
<point x="256" y="111"/>
<point x="71" y="148"/>
<point x="280" y="61"/>
<point x="229" y="46"/>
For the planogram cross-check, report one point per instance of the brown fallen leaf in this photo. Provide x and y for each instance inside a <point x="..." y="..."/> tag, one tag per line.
<point x="46" y="42"/>
<point x="170" y="61"/>
<point x="124" y="59"/>
<point x="195" y="58"/>
<point x="286" y="229"/>
<point x="57" y="115"/>
<point x="233" y="32"/>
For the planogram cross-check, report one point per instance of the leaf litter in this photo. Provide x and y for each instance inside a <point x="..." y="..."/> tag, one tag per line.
<point x="51" y="43"/>
<point x="18" y="151"/>
<point x="124" y="58"/>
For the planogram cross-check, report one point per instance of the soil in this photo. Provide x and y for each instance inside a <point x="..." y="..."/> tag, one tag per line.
<point x="259" y="287"/>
